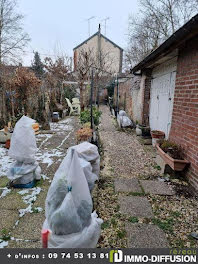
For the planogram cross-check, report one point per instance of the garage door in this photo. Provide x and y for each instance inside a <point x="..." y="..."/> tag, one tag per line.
<point x="162" y="97"/>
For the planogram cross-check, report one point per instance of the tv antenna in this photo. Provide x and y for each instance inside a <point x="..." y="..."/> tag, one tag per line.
<point x="105" y="20"/>
<point x="88" y="20"/>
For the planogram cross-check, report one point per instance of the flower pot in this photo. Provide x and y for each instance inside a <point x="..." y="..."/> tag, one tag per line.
<point x="145" y="130"/>
<point x="138" y="131"/>
<point x="175" y="164"/>
<point x="157" y="135"/>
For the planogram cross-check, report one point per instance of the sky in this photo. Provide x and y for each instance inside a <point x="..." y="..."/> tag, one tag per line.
<point x="57" y="26"/>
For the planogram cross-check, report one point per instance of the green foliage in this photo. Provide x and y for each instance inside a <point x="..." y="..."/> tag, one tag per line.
<point x="166" y="225"/>
<point x="35" y="210"/>
<point x="104" y="225"/>
<point x="37" y="65"/>
<point x="136" y="193"/>
<point x="172" y="149"/>
<point x="121" y="234"/>
<point x="85" y="116"/>
<point x="133" y="219"/>
<point x="157" y="167"/>
<point x="5" y="235"/>
<point x="110" y="89"/>
<point x="69" y="92"/>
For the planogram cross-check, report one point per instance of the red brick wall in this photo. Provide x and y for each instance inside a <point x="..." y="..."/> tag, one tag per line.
<point x="184" y="129"/>
<point x="125" y="100"/>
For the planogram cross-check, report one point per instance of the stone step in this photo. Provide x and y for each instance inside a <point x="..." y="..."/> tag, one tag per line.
<point x="135" y="206"/>
<point x="157" y="187"/>
<point x="127" y="185"/>
<point x="145" y="236"/>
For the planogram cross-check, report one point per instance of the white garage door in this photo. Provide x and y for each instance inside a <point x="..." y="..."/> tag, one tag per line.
<point x="162" y="97"/>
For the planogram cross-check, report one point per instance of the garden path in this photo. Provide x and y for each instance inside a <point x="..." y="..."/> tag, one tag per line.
<point x="138" y="207"/>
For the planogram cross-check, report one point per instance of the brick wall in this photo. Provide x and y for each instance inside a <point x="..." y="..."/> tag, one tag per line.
<point x="127" y="99"/>
<point x="184" y="129"/>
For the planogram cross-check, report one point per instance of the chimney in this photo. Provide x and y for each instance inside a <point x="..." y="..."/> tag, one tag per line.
<point x="99" y="29"/>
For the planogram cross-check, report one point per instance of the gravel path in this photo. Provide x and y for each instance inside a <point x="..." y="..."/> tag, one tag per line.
<point x="125" y="158"/>
<point x="126" y="155"/>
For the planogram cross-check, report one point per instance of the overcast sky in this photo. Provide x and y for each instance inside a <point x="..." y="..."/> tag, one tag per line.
<point x="61" y="24"/>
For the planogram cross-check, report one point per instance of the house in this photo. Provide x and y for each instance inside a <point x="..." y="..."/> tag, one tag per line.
<point x="105" y="53"/>
<point x="169" y="91"/>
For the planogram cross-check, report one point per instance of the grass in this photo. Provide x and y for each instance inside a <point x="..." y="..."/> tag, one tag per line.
<point x="121" y="234"/>
<point x="175" y="214"/>
<point x="113" y="222"/>
<point x="157" y="167"/>
<point x="133" y="219"/>
<point x="105" y="225"/>
<point x="5" y="235"/>
<point x="35" y="210"/>
<point x="137" y="193"/>
<point x="166" y="225"/>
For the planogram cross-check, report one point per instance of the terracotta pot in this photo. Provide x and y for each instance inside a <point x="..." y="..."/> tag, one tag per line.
<point x="158" y="134"/>
<point x="175" y="164"/>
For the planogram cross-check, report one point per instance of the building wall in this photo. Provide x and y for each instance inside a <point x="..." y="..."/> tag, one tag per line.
<point x="111" y="55"/>
<point x="130" y="97"/>
<point x="184" y="129"/>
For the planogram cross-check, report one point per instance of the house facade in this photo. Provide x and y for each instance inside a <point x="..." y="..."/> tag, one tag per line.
<point x="104" y="52"/>
<point x="169" y="92"/>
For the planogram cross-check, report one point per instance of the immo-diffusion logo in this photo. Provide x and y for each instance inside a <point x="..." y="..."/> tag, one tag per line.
<point x="115" y="256"/>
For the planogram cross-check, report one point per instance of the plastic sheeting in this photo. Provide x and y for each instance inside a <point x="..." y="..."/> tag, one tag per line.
<point x="122" y="113"/>
<point x="69" y="204"/>
<point x="23" y="144"/>
<point x="23" y="149"/>
<point x="124" y="121"/>
<point x="89" y="152"/>
<point x="87" y="238"/>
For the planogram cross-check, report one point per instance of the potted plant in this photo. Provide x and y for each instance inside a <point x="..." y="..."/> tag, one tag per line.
<point x="172" y="154"/>
<point x="145" y="130"/>
<point x="84" y="134"/>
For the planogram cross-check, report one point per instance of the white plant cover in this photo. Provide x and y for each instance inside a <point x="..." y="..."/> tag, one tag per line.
<point x="23" y="149"/>
<point x="22" y="173"/>
<point x="69" y="207"/>
<point x="87" y="238"/>
<point x="125" y="121"/>
<point x="90" y="176"/>
<point x="122" y="113"/>
<point x="89" y="152"/>
<point x="23" y="144"/>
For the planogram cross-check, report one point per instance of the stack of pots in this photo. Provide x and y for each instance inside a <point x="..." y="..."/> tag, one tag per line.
<point x="157" y="135"/>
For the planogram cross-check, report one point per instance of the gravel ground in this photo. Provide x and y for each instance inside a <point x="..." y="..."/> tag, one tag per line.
<point x="125" y="156"/>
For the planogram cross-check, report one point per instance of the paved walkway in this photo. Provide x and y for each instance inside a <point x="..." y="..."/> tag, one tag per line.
<point x="127" y="166"/>
<point x="22" y="211"/>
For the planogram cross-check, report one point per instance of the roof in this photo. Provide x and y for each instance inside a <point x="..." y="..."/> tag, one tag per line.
<point x="189" y="30"/>
<point x="93" y="37"/>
